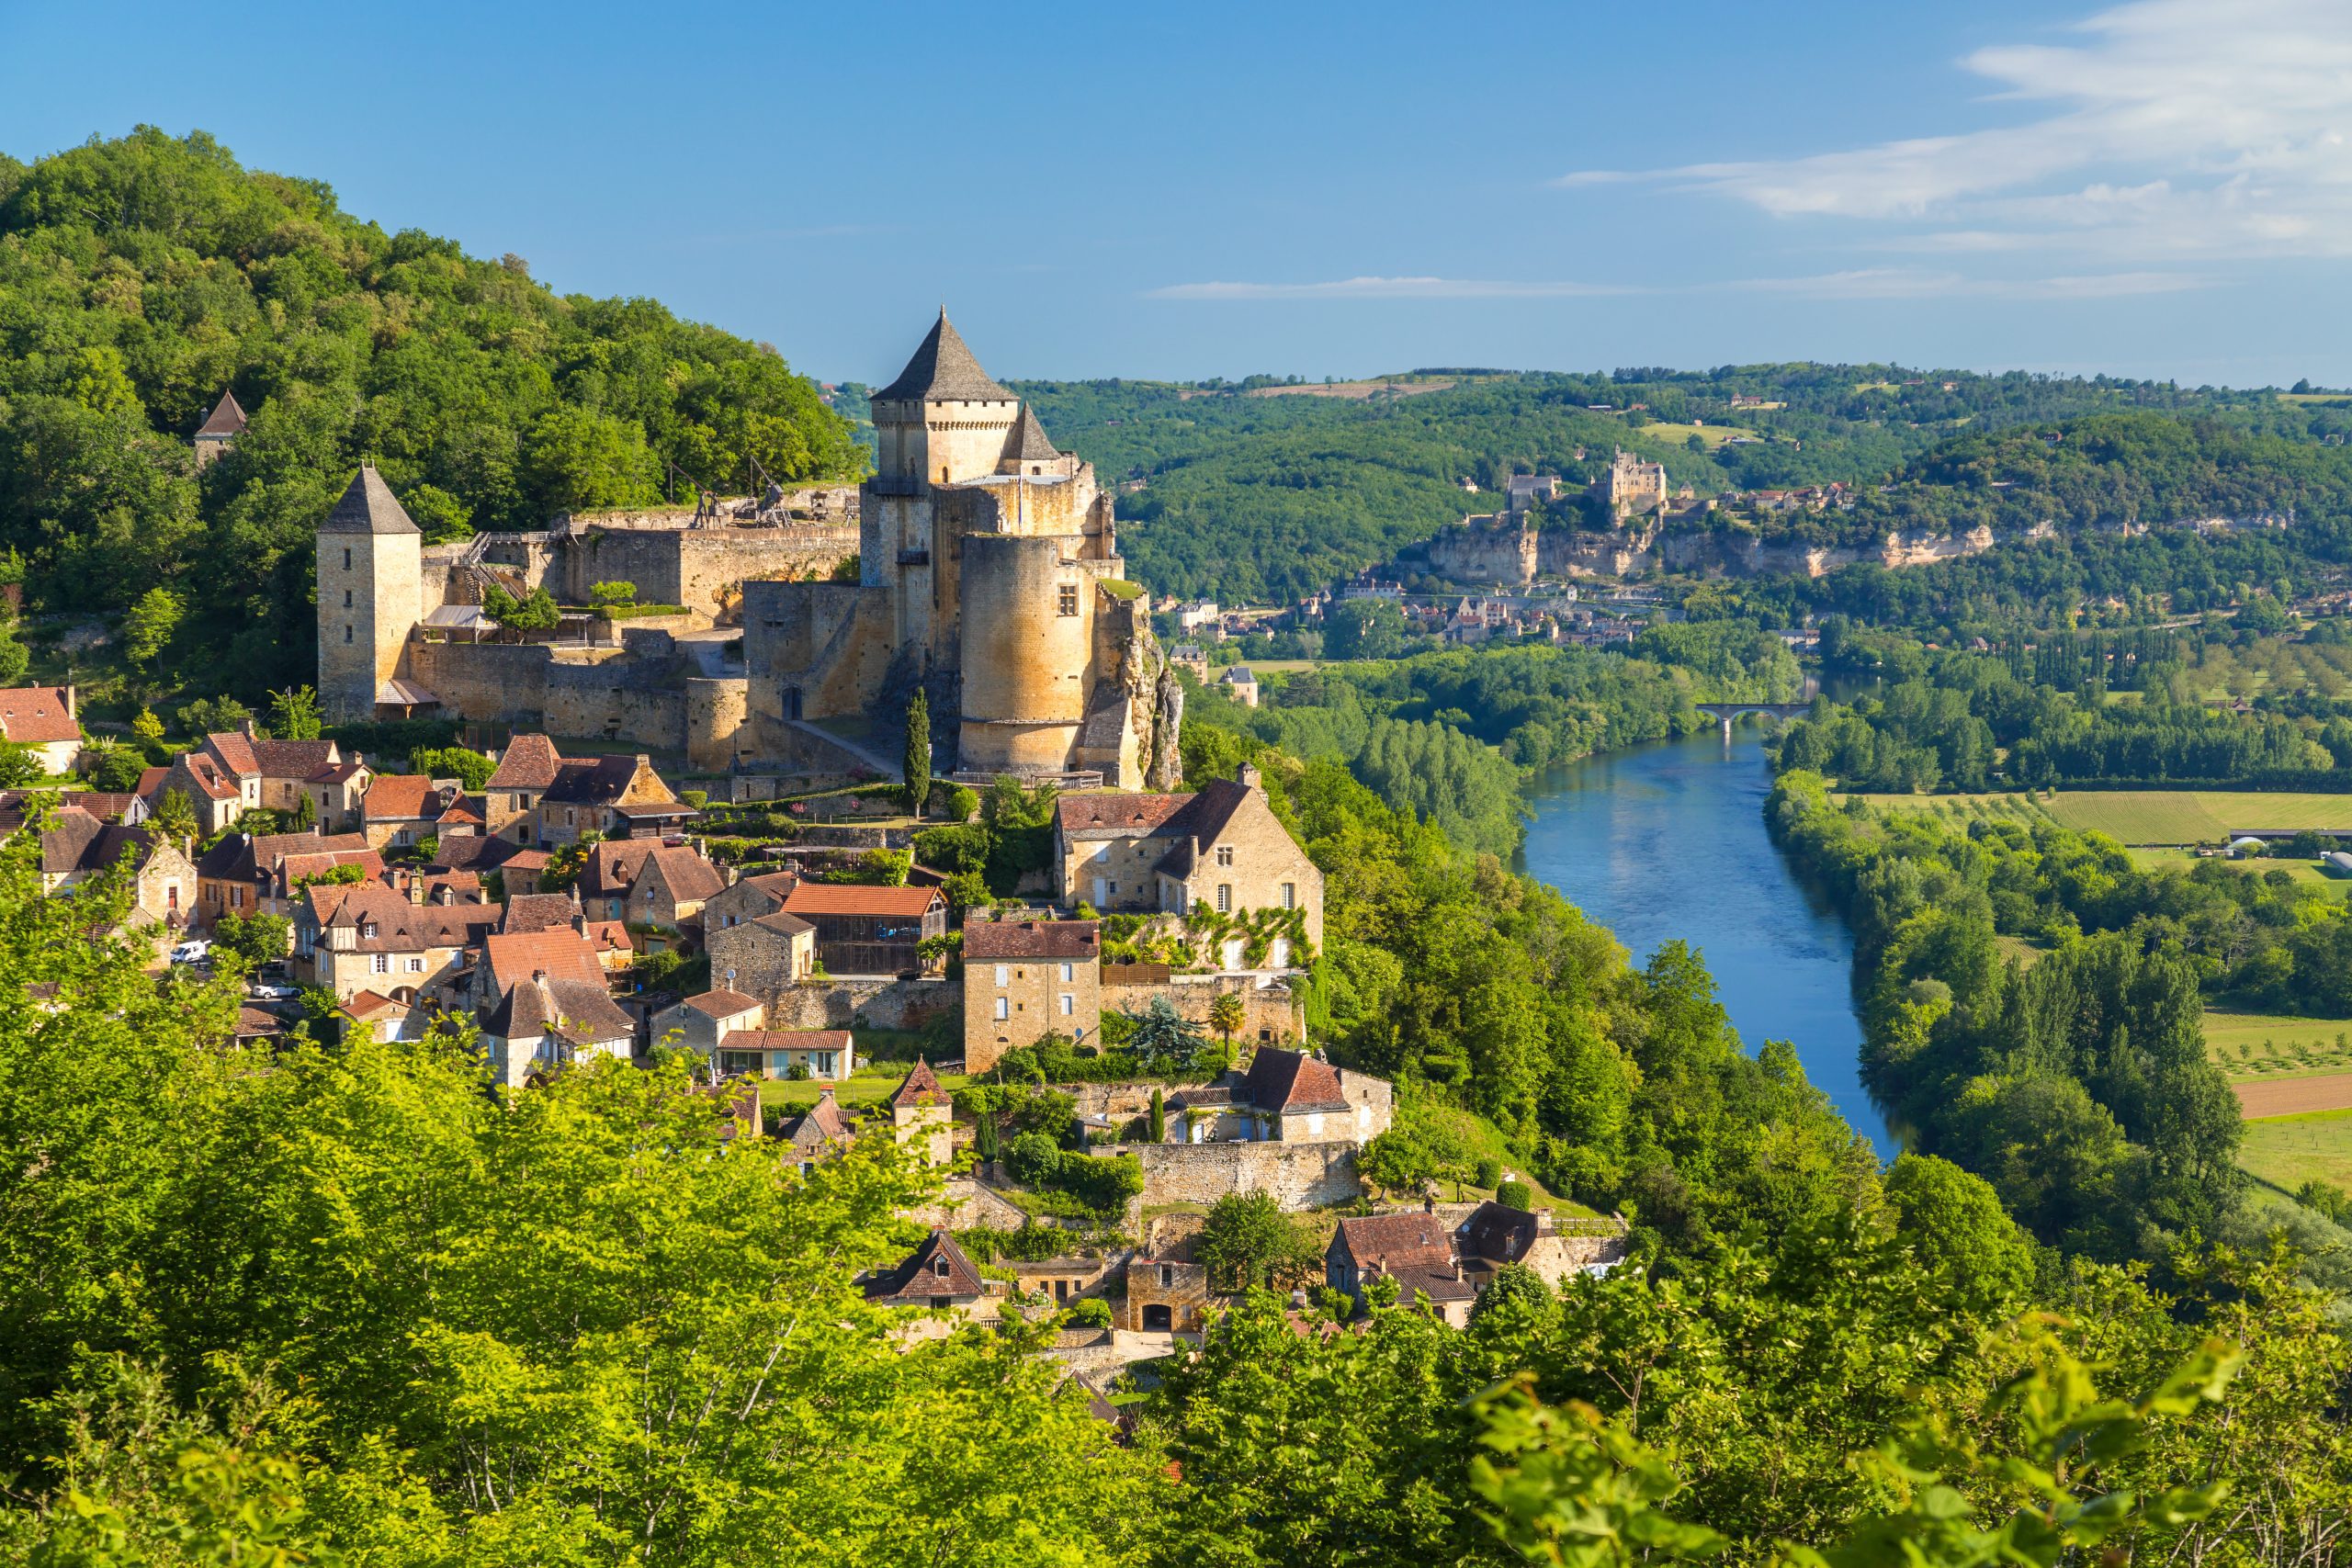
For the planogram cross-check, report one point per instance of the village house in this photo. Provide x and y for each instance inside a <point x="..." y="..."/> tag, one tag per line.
<point x="820" y="1131"/>
<point x="1451" y="1263"/>
<point x="601" y="795"/>
<point x="219" y="430"/>
<point x="1222" y="848"/>
<point x="233" y="772"/>
<point x="17" y="806"/>
<point x="936" y="1276"/>
<point x="1164" y="1295"/>
<point x="400" y="810"/>
<point x="388" y="1018"/>
<point x="666" y="898"/>
<point x="527" y="770"/>
<point x="365" y="937"/>
<point x="43" y="717"/>
<point x="249" y="874"/>
<point x="77" y="847"/>
<point x="544" y="1021"/>
<point x="868" y="930"/>
<point x="338" y="793"/>
<point x="1285" y="1096"/>
<point x="556" y="952"/>
<point x="729" y="1030"/>
<point x="762" y="955"/>
<point x="1240" y="686"/>
<point x="1025" y="979"/>
<point x="699" y="1022"/>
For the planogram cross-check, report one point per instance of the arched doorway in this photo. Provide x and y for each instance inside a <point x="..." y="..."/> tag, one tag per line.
<point x="1158" y="1318"/>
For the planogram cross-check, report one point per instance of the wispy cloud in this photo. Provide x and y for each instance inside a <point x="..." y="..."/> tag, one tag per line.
<point x="2171" y="128"/>
<point x="1391" y="288"/>
<point x="1864" y="283"/>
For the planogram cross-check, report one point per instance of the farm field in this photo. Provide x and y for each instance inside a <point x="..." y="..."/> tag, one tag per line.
<point x="2303" y="871"/>
<point x="2181" y="817"/>
<point x="2286" y="1151"/>
<point x="1715" y="436"/>
<point x="2251" y="1047"/>
<point x="2295" y="1096"/>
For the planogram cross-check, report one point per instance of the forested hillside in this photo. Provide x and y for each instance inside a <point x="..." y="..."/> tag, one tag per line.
<point x="1259" y="493"/>
<point x="140" y="277"/>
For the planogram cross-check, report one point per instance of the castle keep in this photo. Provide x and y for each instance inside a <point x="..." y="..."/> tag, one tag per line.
<point x="987" y="572"/>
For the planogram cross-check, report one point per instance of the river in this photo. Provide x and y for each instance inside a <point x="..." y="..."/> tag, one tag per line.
<point x="1667" y="841"/>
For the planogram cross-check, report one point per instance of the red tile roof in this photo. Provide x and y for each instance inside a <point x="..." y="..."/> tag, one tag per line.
<point x="34" y="715"/>
<point x="1286" y="1081"/>
<point x="937" y="1267"/>
<point x="849" y="899"/>
<point x="722" y="1003"/>
<point x="1080" y="941"/>
<point x="1119" y="814"/>
<point x="235" y="750"/>
<point x="530" y="762"/>
<point x="561" y="953"/>
<point x="785" y="1040"/>
<point x="398" y="797"/>
<point x="921" y="1088"/>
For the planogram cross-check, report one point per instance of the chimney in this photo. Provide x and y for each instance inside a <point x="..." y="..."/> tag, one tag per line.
<point x="415" y="889"/>
<point x="246" y="728"/>
<point x="69" y="703"/>
<point x="1248" y="778"/>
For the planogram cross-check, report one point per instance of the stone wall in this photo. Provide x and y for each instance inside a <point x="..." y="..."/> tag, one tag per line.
<point x="1272" y="1014"/>
<point x="965" y="1204"/>
<point x="1300" y="1176"/>
<point x="718" y="716"/>
<point x="702" y="569"/>
<point x="871" y="1002"/>
<point x="628" y="697"/>
<point x="1486" y="550"/>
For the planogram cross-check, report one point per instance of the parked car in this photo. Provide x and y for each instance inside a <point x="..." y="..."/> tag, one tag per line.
<point x="193" y="952"/>
<point x="273" y="993"/>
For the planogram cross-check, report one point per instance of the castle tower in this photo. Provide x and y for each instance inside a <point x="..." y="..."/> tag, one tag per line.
<point x="944" y="420"/>
<point x="221" y="429"/>
<point x="371" y="593"/>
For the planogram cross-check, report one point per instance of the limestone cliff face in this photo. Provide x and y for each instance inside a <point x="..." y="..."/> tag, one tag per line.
<point x="1165" y="769"/>
<point x="1483" y="550"/>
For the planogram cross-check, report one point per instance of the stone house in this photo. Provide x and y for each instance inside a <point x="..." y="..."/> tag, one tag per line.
<point x="251" y="873"/>
<point x="233" y="772"/>
<point x="42" y="717"/>
<point x="219" y="430"/>
<point x="1025" y="979"/>
<point x="763" y="957"/>
<point x="607" y="872"/>
<point x="1240" y="684"/>
<point x="937" y="1276"/>
<point x="365" y="937"/>
<point x="403" y="809"/>
<point x="667" y="895"/>
<point x="1222" y="848"/>
<point x="1064" y="1280"/>
<point x="548" y="1021"/>
<point x="1293" y="1097"/>
<point x="868" y="930"/>
<point x="816" y="1131"/>
<point x="699" y="1022"/>
<point x="590" y="795"/>
<point x="338" y="793"/>
<point x="1416" y="1250"/>
<point x="527" y="770"/>
<point x="77" y="847"/>
<point x="748" y="898"/>
<point x="921" y="1113"/>
<point x="1164" y="1296"/>
<point x="556" y="954"/>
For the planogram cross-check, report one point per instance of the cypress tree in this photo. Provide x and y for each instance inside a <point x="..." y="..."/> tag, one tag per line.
<point x="1159" y="1115"/>
<point x="918" y="761"/>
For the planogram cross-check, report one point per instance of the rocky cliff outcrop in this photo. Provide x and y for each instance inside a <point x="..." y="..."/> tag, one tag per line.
<point x="1484" y="550"/>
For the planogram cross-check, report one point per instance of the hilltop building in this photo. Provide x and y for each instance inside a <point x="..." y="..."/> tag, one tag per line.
<point x="1632" y="487"/>
<point x="988" y="572"/>
<point x="219" y="430"/>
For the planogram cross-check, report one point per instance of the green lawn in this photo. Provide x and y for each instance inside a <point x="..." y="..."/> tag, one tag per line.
<point x="869" y="1088"/>
<point x="2288" y="1151"/>
<point x="2307" y="872"/>
<point x="2250" y="1045"/>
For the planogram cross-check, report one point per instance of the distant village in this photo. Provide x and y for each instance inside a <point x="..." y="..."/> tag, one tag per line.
<point x="708" y="792"/>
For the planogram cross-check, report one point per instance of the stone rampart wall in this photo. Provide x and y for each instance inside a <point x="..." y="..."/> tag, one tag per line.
<point x="1300" y="1176"/>
<point x="872" y="1002"/>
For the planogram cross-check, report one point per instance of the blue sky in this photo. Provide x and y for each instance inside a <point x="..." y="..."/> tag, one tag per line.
<point x="2162" y="188"/>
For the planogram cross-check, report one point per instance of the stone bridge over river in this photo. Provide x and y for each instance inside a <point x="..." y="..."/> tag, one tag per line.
<point x="1730" y="711"/>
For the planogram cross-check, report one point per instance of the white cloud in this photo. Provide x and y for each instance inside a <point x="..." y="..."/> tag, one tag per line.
<point x="1390" y="288"/>
<point x="2170" y="129"/>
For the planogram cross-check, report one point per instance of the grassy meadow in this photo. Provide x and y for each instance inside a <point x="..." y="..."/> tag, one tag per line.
<point x="2286" y="1151"/>
<point x="2249" y="1046"/>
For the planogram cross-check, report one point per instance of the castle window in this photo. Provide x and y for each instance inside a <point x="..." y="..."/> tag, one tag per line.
<point x="1224" y="897"/>
<point x="1067" y="598"/>
<point x="347" y="598"/>
<point x="346" y="634"/>
<point x="346" y="560"/>
<point x="1225" y="854"/>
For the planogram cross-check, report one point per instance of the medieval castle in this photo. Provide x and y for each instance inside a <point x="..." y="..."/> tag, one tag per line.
<point x="979" y="563"/>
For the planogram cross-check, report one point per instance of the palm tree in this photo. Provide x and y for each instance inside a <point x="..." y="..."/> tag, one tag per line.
<point x="1226" y="1015"/>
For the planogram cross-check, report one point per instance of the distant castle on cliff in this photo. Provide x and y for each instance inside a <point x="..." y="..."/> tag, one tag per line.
<point x="986" y="570"/>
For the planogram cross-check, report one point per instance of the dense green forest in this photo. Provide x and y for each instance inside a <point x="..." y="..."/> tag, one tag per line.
<point x="1258" y="495"/>
<point x="1452" y="736"/>
<point x="2078" y="1085"/>
<point x="140" y="277"/>
<point x="340" y="1305"/>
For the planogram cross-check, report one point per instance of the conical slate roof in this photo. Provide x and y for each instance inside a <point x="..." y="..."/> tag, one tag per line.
<point x="368" y="507"/>
<point x="226" y="418"/>
<point x="1028" y="443"/>
<point x="942" y="370"/>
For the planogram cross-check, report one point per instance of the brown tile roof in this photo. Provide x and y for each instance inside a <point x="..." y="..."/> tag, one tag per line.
<point x="1414" y="1249"/>
<point x="211" y="779"/>
<point x="564" y="954"/>
<point x="293" y="868"/>
<point x="937" y="1267"/>
<point x="1498" y="1233"/>
<point x="1287" y="1082"/>
<point x="368" y="506"/>
<point x="393" y="797"/>
<point x="401" y="926"/>
<point x="80" y="842"/>
<point x="1119" y="815"/>
<point x="236" y="749"/>
<point x="537" y="912"/>
<point x="609" y="936"/>
<point x="529" y="762"/>
<point x="821" y="1124"/>
<point x="777" y="920"/>
<point x="921" y="1088"/>
<point x="150" y="782"/>
<point x="850" y="898"/>
<point x="336" y="772"/>
<point x="785" y="1040"/>
<point x="688" y="876"/>
<point x="293" y="759"/>
<point x="1079" y="941"/>
<point x="365" y="1005"/>
<point x="226" y="418"/>
<point x="578" y="1010"/>
<point x="33" y="716"/>
<point x="722" y="1003"/>
<point x="942" y="370"/>
<point x="610" y="868"/>
<point x="598" y="781"/>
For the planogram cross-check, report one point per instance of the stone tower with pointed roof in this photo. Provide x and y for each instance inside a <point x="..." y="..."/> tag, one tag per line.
<point x="991" y="575"/>
<point x="920" y="1112"/>
<point x="219" y="430"/>
<point x="370" y="576"/>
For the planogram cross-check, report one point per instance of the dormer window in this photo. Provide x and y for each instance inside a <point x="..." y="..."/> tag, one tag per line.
<point x="939" y="1267"/>
<point x="368" y="929"/>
